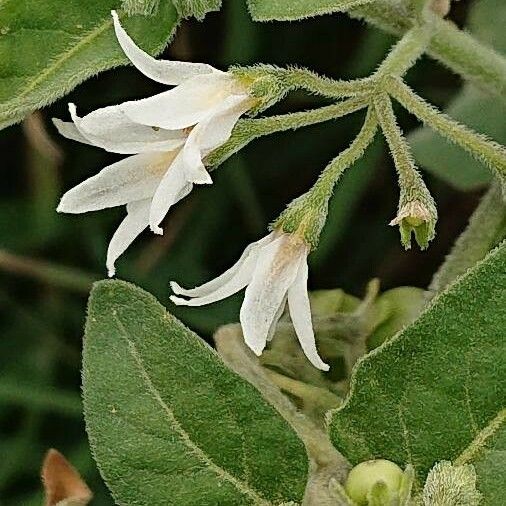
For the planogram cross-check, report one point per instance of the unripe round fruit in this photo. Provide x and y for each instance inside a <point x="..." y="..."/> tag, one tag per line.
<point x="362" y="478"/>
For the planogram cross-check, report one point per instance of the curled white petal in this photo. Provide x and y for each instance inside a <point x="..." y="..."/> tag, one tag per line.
<point x="210" y="133"/>
<point x="183" y="106"/>
<point x="300" y="313"/>
<point x="234" y="284"/>
<point x="275" y="271"/>
<point x="110" y="129"/>
<point x="163" y="71"/>
<point x="228" y="283"/>
<point x="214" y="284"/>
<point x="134" y="223"/>
<point x="70" y="131"/>
<point x="172" y="188"/>
<point x="133" y="178"/>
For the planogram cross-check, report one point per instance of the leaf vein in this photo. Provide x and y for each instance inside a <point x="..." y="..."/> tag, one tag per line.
<point x="196" y="450"/>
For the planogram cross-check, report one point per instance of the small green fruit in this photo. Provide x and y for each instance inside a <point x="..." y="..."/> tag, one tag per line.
<point x="364" y="476"/>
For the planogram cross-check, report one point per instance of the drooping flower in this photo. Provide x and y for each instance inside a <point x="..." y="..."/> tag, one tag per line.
<point x="168" y="135"/>
<point x="275" y="271"/>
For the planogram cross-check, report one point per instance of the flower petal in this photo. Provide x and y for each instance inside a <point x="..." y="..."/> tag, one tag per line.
<point x="300" y="312"/>
<point x="274" y="273"/>
<point x="163" y="71"/>
<point x="235" y="283"/>
<point x="210" y="133"/>
<point x="172" y="188"/>
<point x="70" y="131"/>
<point x="110" y="129"/>
<point x="135" y="222"/>
<point x="183" y="106"/>
<point x="214" y="284"/>
<point x="133" y="178"/>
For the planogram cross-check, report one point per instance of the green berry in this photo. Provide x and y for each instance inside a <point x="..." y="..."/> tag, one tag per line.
<point x="364" y="476"/>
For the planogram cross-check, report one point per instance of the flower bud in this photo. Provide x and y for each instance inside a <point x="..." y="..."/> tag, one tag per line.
<point x="418" y="216"/>
<point x="373" y="478"/>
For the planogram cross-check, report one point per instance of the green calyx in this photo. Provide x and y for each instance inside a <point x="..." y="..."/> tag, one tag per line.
<point x="263" y="83"/>
<point x="416" y="216"/>
<point x="305" y="216"/>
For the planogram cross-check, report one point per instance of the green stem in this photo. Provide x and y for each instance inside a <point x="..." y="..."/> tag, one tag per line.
<point x="306" y="215"/>
<point x="416" y="211"/>
<point x="300" y="78"/>
<point x="408" y="175"/>
<point x="230" y="345"/>
<point x="40" y="398"/>
<point x="247" y="130"/>
<point x="456" y="49"/>
<point x="489" y="152"/>
<point x="486" y="229"/>
<point x="325" y="184"/>
<point x="407" y="50"/>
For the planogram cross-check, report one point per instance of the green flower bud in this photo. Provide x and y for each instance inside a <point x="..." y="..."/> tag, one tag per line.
<point x="372" y="480"/>
<point x="417" y="216"/>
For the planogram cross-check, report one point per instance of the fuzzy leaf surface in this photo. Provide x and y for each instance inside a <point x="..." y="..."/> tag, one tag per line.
<point x="490" y="464"/>
<point x="168" y="422"/>
<point x="288" y="10"/>
<point x="196" y="8"/>
<point x="427" y="393"/>
<point x="47" y="50"/>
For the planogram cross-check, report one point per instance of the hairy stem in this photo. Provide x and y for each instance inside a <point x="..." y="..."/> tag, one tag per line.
<point x="489" y="152"/>
<point x="456" y="49"/>
<point x="331" y="174"/>
<point x="305" y="79"/>
<point x="407" y="50"/>
<point x="326" y="463"/>
<point x="247" y="130"/>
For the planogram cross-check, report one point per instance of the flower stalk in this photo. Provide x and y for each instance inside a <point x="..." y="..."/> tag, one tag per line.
<point x="306" y="215"/>
<point x="454" y="48"/>
<point x="248" y="130"/>
<point x="478" y="145"/>
<point x="407" y="51"/>
<point x="417" y="211"/>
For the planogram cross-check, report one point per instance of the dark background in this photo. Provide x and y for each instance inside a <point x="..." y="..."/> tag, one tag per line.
<point x="47" y="261"/>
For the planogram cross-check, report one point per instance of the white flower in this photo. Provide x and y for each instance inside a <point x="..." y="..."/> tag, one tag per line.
<point x="275" y="272"/>
<point x="168" y="135"/>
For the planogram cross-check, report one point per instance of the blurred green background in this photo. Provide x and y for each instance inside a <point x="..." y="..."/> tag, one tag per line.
<point x="48" y="261"/>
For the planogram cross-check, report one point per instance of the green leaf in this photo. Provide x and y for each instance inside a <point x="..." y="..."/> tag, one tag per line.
<point x="490" y="464"/>
<point x="168" y="422"/>
<point x="425" y="394"/>
<point x="472" y="107"/>
<point x="286" y="10"/>
<point x="144" y="7"/>
<point x="45" y="51"/>
<point x="196" y="8"/>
